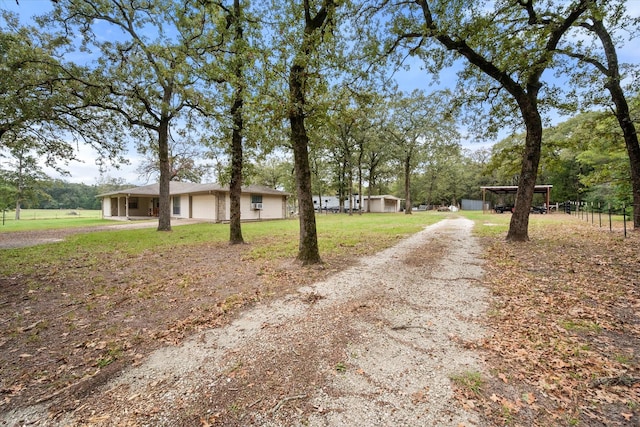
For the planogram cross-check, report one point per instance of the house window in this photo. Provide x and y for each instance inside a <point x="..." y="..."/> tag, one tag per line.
<point x="176" y="205"/>
<point x="133" y="203"/>
<point x="256" y="202"/>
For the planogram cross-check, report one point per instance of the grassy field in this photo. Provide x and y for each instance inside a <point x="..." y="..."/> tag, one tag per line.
<point x="338" y="234"/>
<point x="45" y="219"/>
<point x="329" y="226"/>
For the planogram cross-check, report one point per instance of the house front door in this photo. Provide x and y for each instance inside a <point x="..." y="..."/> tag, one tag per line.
<point x="156" y="206"/>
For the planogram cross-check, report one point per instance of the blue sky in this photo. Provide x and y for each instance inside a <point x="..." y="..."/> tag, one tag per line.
<point x="413" y="78"/>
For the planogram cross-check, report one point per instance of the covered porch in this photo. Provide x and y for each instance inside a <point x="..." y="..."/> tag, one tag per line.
<point x="131" y="206"/>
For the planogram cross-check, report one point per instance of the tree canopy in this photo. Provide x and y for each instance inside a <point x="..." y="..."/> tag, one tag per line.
<point x="313" y="84"/>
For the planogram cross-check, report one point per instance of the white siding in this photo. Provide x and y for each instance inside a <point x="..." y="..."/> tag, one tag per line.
<point x="382" y="204"/>
<point x="389" y="205"/>
<point x="272" y="207"/>
<point x="106" y="206"/>
<point x="204" y="207"/>
<point x="213" y="206"/>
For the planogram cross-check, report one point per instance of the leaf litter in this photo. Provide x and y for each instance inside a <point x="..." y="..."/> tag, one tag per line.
<point x="565" y="322"/>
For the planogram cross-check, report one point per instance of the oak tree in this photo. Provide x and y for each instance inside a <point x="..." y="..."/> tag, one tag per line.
<point x="303" y="29"/>
<point x="506" y="49"/>
<point x="37" y="103"/>
<point x="612" y="74"/>
<point x="143" y="73"/>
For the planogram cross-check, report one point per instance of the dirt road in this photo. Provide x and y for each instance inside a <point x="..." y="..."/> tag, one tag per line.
<point x="376" y="344"/>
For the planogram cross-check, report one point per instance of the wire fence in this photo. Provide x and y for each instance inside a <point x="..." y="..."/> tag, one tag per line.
<point x="8" y="216"/>
<point x="597" y="214"/>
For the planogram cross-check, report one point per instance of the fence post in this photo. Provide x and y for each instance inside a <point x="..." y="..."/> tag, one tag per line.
<point x="591" y="213"/>
<point x="624" y="219"/>
<point x="600" y="214"/>
<point x="610" y="228"/>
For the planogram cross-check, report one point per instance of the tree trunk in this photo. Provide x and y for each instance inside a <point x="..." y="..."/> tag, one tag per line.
<point x="369" y="187"/>
<point x="360" y="155"/>
<point x="518" y="228"/>
<point x="20" y="184"/>
<point x="308" y="252"/>
<point x="164" y="209"/>
<point x="622" y="115"/>
<point x="342" y="177"/>
<point x="407" y="186"/>
<point x="633" y="149"/>
<point x="372" y="180"/>
<point x="235" y="191"/>
<point x="350" y="189"/>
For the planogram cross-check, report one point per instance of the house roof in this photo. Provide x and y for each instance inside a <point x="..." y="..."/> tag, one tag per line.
<point x="176" y="187"/>
<point x="386" y="196"/>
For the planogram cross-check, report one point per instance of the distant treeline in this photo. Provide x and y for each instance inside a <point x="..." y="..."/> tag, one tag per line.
<point x="66" y="195"/>
<point x="58" y="194"/>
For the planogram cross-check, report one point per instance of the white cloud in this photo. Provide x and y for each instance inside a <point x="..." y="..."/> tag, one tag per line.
<point x="85" y="170"/>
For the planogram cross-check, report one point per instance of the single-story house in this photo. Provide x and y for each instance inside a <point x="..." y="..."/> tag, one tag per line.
<point x="384" y="203"/>
<point x="199" y="201"/>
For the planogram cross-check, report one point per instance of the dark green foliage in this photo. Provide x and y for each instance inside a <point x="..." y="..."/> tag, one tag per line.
<point x="56" y="194"/>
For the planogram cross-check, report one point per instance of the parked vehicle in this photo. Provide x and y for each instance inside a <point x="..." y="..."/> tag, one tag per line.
<point x="503" y="208"/>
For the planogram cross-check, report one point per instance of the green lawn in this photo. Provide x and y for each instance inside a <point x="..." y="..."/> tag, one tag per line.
<point x="338" y="234"/>
<point x="49" y="219"/>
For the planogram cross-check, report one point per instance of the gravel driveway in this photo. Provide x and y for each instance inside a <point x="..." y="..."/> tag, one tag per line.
<point x="375" y="345"/>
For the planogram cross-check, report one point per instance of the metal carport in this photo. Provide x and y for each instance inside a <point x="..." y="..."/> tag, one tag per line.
<point x="513" y="189"/>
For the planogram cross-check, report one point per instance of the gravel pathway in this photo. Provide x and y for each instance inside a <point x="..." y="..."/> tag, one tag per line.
<point x="413" y="346"/>
<point x="396" y="323"/>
